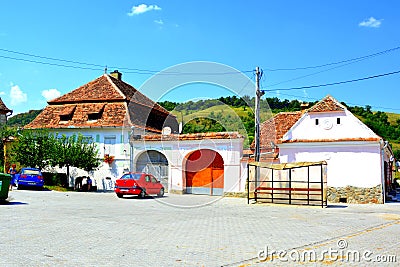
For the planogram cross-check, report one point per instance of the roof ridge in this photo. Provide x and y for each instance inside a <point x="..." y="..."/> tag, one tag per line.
<point x="114" y="85"/>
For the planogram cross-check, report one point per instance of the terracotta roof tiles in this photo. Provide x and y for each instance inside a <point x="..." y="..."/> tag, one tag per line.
<point x="195" y="136"/>
<point x="327" y="104"/>
<point x="273" y="129"/>
<point x="3" y="107"/>
<point x="103" y="102"/>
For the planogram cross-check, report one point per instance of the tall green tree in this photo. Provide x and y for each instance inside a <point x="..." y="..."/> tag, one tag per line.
<point x="76" y="151"/>
<point x="40" y="149"/>
<point x="34" y="148"/>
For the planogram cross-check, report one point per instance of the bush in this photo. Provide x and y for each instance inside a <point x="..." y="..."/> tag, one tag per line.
<point x="54" y="178"/>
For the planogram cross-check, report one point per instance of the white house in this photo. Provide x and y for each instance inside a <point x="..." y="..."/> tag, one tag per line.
<point x="359" y="161"/>
<point x="107" y="111"/>
<point x="202" y="163"/>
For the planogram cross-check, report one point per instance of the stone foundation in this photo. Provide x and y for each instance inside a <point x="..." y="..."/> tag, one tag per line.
<point x="235" y="194"/>
<point x="357" y="195"/>
<point x="174" y="191"/>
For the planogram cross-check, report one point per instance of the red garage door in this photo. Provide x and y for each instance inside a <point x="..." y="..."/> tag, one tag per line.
<point x="204" y="171"/>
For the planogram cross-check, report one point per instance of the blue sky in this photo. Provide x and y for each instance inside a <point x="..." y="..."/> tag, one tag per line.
<point x="155" y="35"/>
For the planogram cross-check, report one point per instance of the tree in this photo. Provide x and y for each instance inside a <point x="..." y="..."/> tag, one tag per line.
<point x="34" y="148"/>
<point x="40" y="149"/>
<point x="76" y="151"/>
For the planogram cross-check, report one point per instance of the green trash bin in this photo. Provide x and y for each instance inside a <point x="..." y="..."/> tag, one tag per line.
<point x="5" y="180"/>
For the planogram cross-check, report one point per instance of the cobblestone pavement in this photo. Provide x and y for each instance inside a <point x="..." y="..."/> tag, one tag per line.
<point x="47" y="228"/>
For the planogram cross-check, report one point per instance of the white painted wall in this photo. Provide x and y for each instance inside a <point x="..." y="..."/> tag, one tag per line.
<point x="328" y="127"/>
<point x="355" y="163"/>
<point x="176" y="151"/>
<point x="120" y="150"/>
<point x="349" y="163"/>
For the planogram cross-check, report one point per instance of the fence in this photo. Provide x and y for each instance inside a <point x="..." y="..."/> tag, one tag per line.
<point x="302" y="183"/>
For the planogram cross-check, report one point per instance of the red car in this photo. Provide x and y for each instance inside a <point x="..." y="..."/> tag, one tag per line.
<point x="140" y="184"/>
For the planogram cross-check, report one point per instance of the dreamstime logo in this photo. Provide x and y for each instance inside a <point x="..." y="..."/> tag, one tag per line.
<point x="173" y="156"/>
<point x="340" y="253"/>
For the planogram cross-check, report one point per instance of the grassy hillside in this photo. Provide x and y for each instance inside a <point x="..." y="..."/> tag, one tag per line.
<point x="23" y="119"/>
<point x="393" y="117"/>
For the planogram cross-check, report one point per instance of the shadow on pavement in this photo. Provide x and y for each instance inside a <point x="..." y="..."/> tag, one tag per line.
<point x="333" y="206"/>
<point x="6" y="202"/>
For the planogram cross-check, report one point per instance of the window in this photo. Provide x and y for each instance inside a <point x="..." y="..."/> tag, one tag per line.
<point x="96" y="113"/>
<point x="67" y="113"/>
<point x="109" y="144"/>
<point x="147" y="178"/>
<point x="338" y="121"/>
<point x="88" y="139"/>
<point x="316" y="122"/>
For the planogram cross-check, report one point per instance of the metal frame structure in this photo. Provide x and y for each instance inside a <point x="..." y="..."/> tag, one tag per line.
<point x="302" y="183"/>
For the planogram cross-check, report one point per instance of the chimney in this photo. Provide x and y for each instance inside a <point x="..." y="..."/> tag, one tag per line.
<point x="117" y="75"/>
<point x="304" y="106"/>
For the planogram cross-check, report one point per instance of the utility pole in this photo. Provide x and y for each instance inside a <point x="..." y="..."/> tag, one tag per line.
<point x="257" y="115"/>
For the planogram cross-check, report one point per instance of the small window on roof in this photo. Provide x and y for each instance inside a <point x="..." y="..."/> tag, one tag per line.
<point x="67" y="113"/>
<point x="96" y="114"/>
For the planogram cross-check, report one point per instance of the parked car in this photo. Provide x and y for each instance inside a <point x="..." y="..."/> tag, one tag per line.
<point x="140" y="184"/>
<point x="29" y="177"/>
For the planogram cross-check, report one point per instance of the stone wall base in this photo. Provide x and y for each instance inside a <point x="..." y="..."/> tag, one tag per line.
<point x="174" y="191"/>
<point x="357" y="195"/>
<point x="235" y="194"/>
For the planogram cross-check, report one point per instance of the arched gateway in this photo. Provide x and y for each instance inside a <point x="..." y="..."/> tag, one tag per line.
<point x="204" y="172"/>
<point x="156" y="163"/>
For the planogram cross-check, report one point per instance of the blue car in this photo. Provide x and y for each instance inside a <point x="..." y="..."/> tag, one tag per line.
<point x="29" y="177"/>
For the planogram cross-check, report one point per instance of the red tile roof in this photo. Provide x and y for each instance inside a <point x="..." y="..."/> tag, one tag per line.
<point x="273" y="129"/>
<point x="116" y="102"/>
<point x="196" y="136"/>
<point x="327" y="104"/>
<point x="3" y="107"/>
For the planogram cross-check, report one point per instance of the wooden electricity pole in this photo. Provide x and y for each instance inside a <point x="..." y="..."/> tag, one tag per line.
<point x="259" y="93"/>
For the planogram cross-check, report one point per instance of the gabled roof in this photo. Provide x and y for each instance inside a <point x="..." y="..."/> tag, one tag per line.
<point x="103" y="102"/>
<point x="3" y="107"/>
<point x="327" y="104"/>
<point x="274" y="129"/>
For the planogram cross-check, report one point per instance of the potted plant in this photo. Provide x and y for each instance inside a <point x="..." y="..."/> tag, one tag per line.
<point x="108" y="159"/>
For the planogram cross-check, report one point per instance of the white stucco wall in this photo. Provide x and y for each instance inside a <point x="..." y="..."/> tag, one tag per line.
<point x="120" y="150"/>
<point x="349" y="127"/>
<point x="176" y="151"/>
<point x="349" y="163"/>
<point x="341" y="139"/>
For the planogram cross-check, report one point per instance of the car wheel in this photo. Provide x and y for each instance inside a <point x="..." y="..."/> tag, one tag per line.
<point x="161" y="193"/>
<point x="142" y="193"/>
<point x="120" y="195"/>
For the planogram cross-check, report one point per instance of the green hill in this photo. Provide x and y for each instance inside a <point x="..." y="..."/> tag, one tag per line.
<point x="23" y="119"/>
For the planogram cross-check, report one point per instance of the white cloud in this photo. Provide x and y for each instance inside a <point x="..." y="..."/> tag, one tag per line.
<point x="142" y="8"/>
<point x="51" y="94"/>
<point x="17" y="96"/>
<point x="160" y="22"/>
<point x="2" y="93"/>
<point x="371" y="22"/>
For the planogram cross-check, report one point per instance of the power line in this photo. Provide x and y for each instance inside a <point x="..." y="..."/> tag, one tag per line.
<point x="338" y="62"/>
<point x="334" y="83"/>
<point x="348" y="103"/>
<point x="128" y="70"/>
<point x="49" y="63"/>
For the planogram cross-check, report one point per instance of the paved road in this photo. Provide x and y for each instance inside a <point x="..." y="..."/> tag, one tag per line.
<point x="47" y="228"/>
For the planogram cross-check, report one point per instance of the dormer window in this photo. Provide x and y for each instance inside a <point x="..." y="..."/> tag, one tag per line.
<point x="67" y="113"/>
<point x="96" y="113"/>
